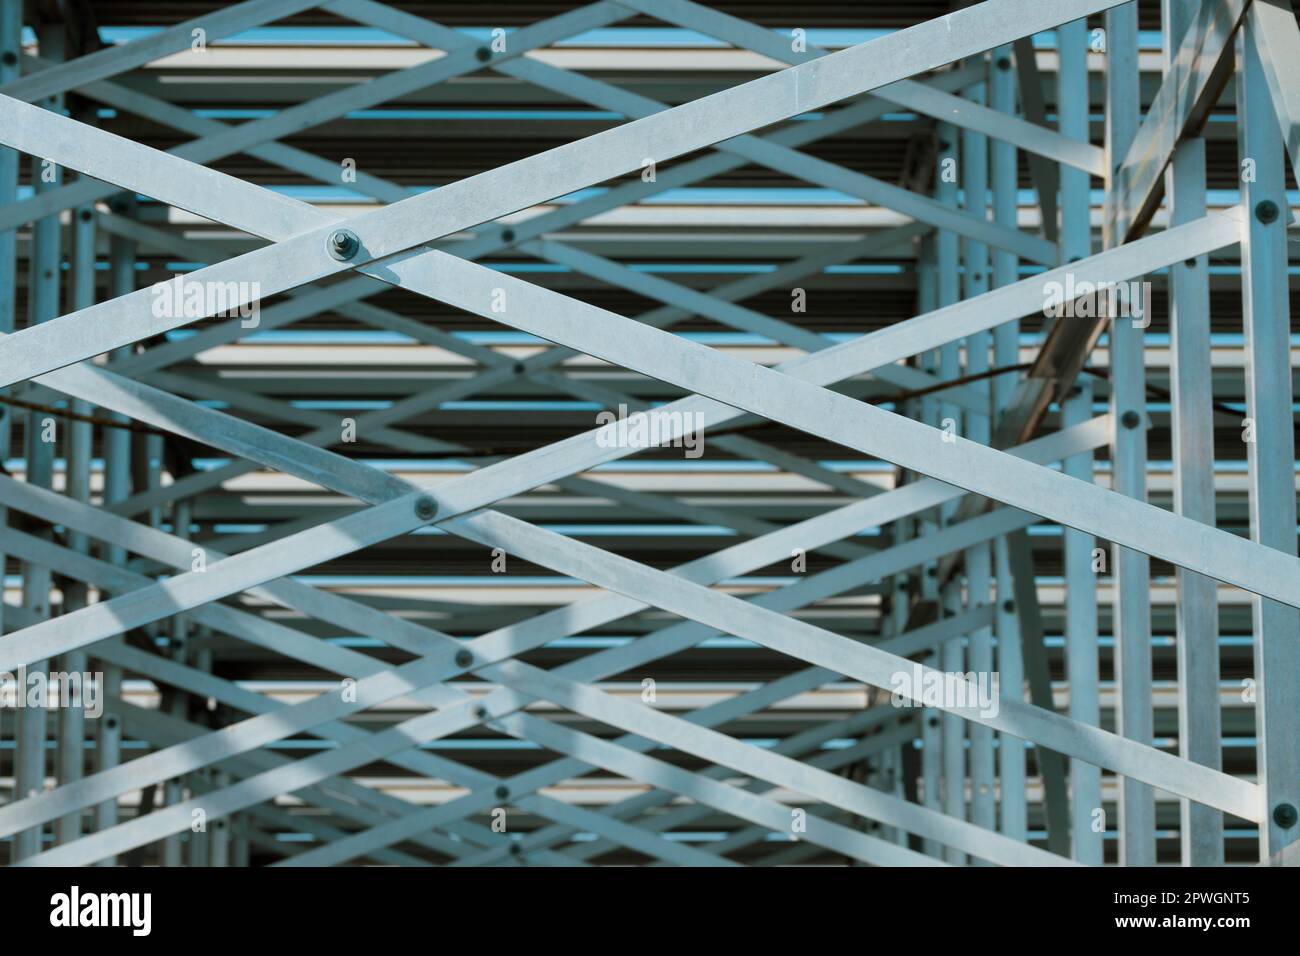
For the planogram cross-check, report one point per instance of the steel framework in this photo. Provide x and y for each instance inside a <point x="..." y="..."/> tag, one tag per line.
<point x="337" y="488"/>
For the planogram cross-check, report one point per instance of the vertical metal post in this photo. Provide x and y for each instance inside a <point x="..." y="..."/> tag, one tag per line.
<point x="200" y="841"/>
<point x="931" y="740"/>
<point x="951" y="655"/>
<point x="1270" y="448"/>
<point x="44" y="263"/>
<point x="1192" y="385"/>
<point x="11" y="28"/>
<point x="1131" y="569"/>
<point x="117" y="487"/>
<point x="979" y="570"/>
<point x="72" y="720"/>
<point x="1080" y="578"/>
<point x="1081" y="646"/>
<point x="1006" y="353"/>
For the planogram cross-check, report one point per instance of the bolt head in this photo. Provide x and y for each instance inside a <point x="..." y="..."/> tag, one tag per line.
<point x="483" y="54"/>
<point x="1130" y="419"/>
<point x="1285" y="816"/>
<point x="425" y="508"/>
<point x="464" y="658"/>
<point x="502" y="792"/>
<point x="1266" y="211"/>
<point x="343" y="244"/>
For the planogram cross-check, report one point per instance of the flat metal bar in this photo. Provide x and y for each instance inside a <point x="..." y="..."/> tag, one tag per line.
<point x="205" y="685"/>
<point x="264" y="633"/>
<point x="979" y="569"/>
<point x="1044" y="172"/>
<point x="388" y="234"/>
<point x="54" y="508"/>
<point x="1196" y="614"/>
<point x="11" y="29"/>
<point x="1270" y="456"/>
<point x="44" y="274"/>
<point x="841" y="655"/>
<point x="1081" y="651"/>
<point x="718" y="714"/>
<point x="806" y="167"/>
<point x="1191" y="86"/>
<point x="723" y="367"/>
<point x="795" y="402"/>
<point x="312" y="113"/>
<point x="610" y="756"/>
<point x="1276" y="39"/>
<point x="122" y="58"/>
<point x="961" y="112"/>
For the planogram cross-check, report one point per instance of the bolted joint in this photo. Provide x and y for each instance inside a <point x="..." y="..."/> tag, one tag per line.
<point x="343" y="244"/>
<point x="1285" y="816"/>
<point x="1266" y="211"/>
<point x="483" y="54"/>
<point x="464" y="658"/>
<point x="425" y="508"/>
<point x="1130" y="419"/>
<point x="1009" y="606"/>
<point x="501" y="792"/>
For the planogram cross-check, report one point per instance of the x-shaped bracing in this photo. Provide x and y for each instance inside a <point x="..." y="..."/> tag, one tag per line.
<point x="798" y="385"/>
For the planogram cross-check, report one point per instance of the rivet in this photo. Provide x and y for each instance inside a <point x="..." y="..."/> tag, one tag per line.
<point x="1266" y="211"/>
<point x="1284" y="815"/>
